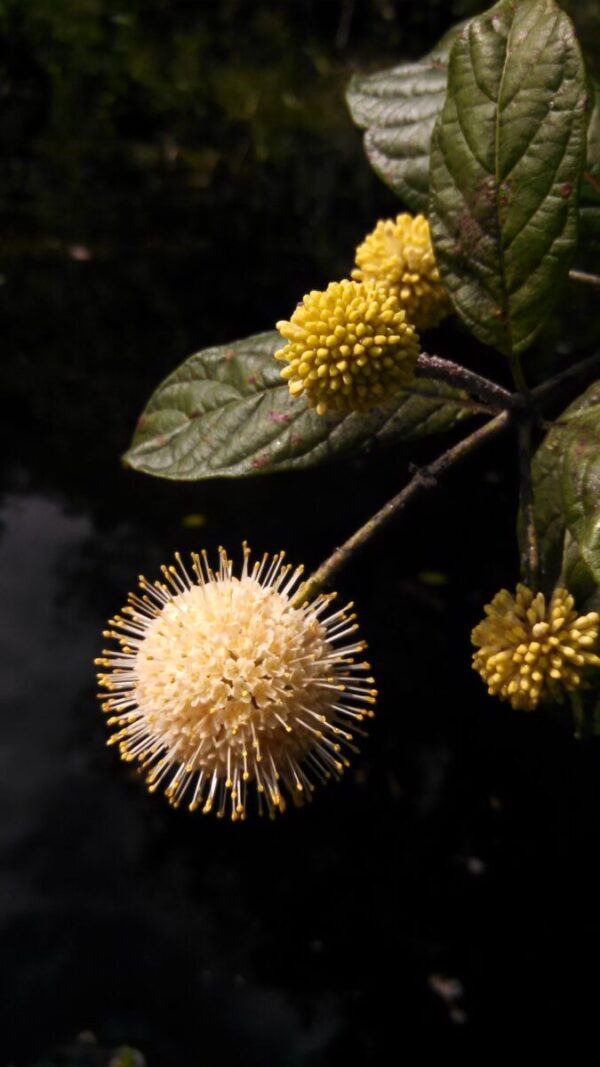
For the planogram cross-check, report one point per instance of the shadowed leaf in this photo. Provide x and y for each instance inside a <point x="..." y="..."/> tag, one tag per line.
<point x="397" y="108"/>
<point x="566" y="485"/>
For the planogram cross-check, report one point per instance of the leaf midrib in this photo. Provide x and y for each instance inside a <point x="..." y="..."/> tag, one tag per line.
<point x="503" y="283"/>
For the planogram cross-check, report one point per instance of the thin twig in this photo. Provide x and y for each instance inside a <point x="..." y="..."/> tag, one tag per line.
<point x="422" y="480"/>
<point x="474" y="384"/>
<point x="584" y="277"/>
<point x="530" y="553"/>
<point x="429" y="476"/>
<point x="529" y="547"/>
<point x="577" y="370"/>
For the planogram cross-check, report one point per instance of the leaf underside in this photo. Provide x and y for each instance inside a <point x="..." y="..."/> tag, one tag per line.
<point x="225" y="412"/>
<point x="397" y="109"/>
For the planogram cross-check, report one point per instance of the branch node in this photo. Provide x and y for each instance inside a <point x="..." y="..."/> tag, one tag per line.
<point x="424" y="474"/>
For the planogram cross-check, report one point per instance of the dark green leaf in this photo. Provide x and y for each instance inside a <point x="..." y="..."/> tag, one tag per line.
<point x="397" y="108"/>
<point x="580" y="478"/>
<point x="548" y="507"/>
<point x="589" y="201"/>
<point x="226" y="412"/>
<point x="506" y="161"/>
<point x="566" y="485"/>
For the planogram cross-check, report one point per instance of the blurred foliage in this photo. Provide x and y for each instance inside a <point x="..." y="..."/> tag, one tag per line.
<point x="191" y="90"/>
<point x="188" y="94"/>
<point x="84" y="1051"/>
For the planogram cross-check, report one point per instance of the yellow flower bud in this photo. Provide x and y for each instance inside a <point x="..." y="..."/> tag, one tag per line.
<point x="529" y="652"/>
<point x="349" y="348"/>
<point x="399" y="255"/>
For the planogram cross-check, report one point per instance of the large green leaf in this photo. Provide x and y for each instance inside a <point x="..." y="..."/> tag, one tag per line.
<point x="226" y="412"/>
<point x="566" y="486"/>
<point x="506" y="160"/>
<point x="397" y="108"/>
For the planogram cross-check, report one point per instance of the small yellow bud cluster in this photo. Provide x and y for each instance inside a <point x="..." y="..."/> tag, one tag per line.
<point x="399" y="255"/>
<point x="530" y="652"/>
<point x="349" y="348"/>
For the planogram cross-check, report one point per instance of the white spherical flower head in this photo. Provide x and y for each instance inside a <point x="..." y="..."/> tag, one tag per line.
<point x="220" y="683"/>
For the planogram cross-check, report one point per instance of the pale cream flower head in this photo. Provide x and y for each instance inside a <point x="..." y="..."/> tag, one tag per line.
<point x="221" y="683"/>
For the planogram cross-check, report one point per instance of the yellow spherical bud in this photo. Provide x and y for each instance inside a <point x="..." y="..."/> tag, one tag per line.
<point x="399" y="255"/>
<point x="530" y="652"/>
<point x="221" y="685"/>
<point x="350" y="348"/>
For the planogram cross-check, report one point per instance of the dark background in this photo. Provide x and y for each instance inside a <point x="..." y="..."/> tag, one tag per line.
<point x="177" y="174"/>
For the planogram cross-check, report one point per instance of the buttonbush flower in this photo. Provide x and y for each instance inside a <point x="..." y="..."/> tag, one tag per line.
<point x="349" y="348"/>
<point x="219" y="684"/>
<point x="398" y="254"/>
<point x="529" y="651"/>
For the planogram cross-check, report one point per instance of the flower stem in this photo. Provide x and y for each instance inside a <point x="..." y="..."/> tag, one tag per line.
<point x="530" y="552"/>
<point x="518" y="376"/>
<point x="474" y="384"/>
<point x="424" y="479"/>
<point x="580" y="719"/>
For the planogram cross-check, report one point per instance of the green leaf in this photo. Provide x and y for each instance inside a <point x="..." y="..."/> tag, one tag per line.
<point x="226" y="412"/>
<point x="397" y="108"/>
<point x="506" y="160"/>
<point x="580" y="477"/>
<point x="589" y="200"/>
<point x="548" y="506"/>
<point x="566" y="488"/>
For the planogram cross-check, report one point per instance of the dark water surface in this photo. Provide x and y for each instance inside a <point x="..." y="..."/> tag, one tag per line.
<point x="173" y="180"/>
